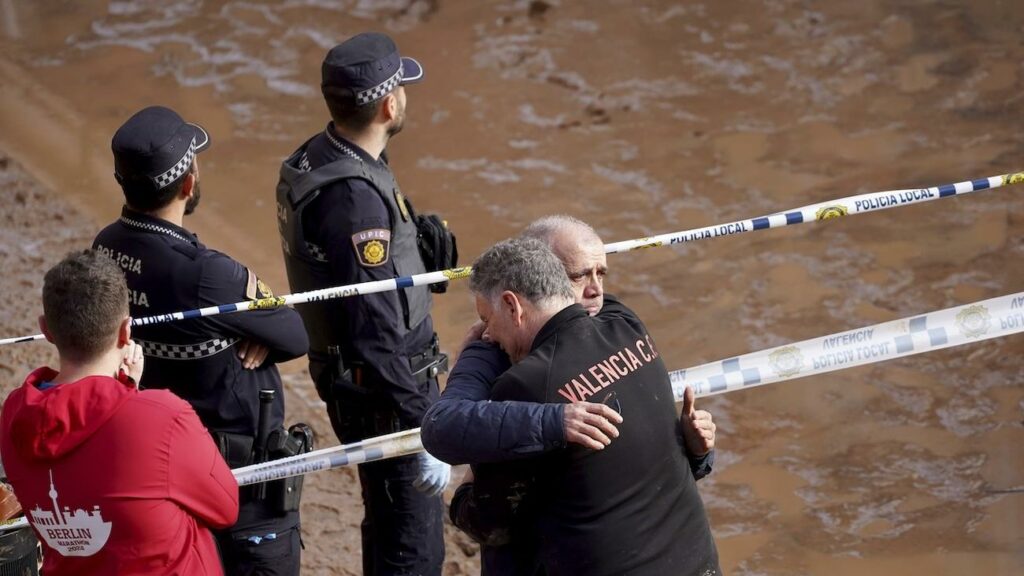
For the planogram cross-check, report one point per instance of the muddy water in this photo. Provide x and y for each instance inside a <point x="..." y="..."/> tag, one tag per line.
<point x="644" y="117"/>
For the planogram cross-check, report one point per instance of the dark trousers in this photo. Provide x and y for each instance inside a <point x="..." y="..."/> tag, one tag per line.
<point x="262" y="542"/>
<point x="403" y="530"/>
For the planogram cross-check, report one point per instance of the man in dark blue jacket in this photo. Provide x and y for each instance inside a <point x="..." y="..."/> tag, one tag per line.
<point x="464" y="427"/>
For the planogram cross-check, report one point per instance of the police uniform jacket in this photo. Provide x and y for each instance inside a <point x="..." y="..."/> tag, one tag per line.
<point x="351" y="233"/>
<point x="632" y="507"/>
<point x="169" y="270"/>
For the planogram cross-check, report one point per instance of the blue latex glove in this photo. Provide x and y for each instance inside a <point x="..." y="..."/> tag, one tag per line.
<point x="434" y="475"/>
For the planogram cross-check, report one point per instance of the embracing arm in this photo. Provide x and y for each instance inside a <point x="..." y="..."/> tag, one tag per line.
<point x="465" y="426"/>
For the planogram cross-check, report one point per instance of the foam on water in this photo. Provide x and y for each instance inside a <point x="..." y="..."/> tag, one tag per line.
<point x="240" y="40"/>
<point x="730" y="119"/>
<point x="636" y="179"/>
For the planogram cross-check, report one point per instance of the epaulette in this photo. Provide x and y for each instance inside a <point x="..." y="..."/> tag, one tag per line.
<point x="186" y="248"/>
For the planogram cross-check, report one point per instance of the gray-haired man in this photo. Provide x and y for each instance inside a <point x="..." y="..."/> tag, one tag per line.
<point x="462" y="427"/>
<point x="630" y="507"/>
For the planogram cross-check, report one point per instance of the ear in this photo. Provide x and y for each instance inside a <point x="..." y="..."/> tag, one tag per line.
<point x="512" y="306"/>
<point x="389" y="107"/>
<point x="124" y="332"/>
<point x="45" y="330"/>
<point x="186" y="188"/>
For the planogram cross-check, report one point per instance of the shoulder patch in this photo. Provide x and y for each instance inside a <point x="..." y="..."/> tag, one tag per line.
<point x="372" y="246"/>
<point x="256" y="288"/>
<point x="250" y="285"/>
<point x="262" y="290"/>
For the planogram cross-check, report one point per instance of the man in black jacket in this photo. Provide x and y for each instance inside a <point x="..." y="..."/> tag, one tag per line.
<point x="220" y="364"/>
<point x="464" y="426"/>
<point x="631" y="507"/>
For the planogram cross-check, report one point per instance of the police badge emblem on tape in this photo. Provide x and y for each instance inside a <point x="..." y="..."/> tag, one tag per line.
<point x="372" y="246"/>
<point x="786" y="361"/>
<point x="973" y="321"/>
<point x="830" y="212"/>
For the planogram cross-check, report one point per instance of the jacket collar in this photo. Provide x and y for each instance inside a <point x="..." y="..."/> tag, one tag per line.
<point x="146" y="223"/>
<point x="563" y="317"/>
<point x="345" y="147"/>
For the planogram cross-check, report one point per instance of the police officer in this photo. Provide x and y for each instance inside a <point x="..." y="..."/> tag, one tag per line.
<point x="374" y="358"/>
<point x="222" y="365"/>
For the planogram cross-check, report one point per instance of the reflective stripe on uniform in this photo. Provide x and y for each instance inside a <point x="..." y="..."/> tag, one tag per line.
<point x="187" y="351"/>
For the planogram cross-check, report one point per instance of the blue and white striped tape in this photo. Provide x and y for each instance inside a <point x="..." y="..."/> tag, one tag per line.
<point x="966" y="324"/>
<point x="369" y="450"/>
<point x="820" y="211"/>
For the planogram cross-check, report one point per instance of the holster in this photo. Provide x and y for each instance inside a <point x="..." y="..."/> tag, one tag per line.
<point x="357" y="410"/>
<point x="346" y="402"/>
<point x="284" y="495"/>
<point x="438" y="248"/>
<point x="237" y="449"/>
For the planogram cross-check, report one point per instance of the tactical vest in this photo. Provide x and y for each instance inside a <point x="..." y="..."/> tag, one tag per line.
<point x="307" y="266"/>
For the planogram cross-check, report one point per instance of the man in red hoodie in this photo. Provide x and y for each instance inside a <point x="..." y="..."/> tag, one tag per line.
<point x="114" y="480"/>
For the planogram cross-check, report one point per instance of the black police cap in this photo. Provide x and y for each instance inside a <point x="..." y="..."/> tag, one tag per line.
<point x="156" y="146"/>
<point x="370" y="66"/>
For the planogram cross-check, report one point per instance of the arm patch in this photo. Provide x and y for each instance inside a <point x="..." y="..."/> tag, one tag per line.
<point x="256" y="288"/>
<point x="372" y="246"/>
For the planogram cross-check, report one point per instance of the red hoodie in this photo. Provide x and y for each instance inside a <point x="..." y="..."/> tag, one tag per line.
<point x="114" y="480"/>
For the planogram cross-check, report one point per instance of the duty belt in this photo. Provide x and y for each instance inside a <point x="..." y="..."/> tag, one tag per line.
<point x="424" y="366"/>
<point x="429" y="363"/>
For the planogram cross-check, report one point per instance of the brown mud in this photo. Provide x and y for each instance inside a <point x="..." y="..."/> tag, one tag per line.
<point x="641" y="117"/>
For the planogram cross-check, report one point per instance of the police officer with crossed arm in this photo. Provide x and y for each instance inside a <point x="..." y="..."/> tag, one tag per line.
<point x="374" y="358"/>
<point x="225" y="365"/>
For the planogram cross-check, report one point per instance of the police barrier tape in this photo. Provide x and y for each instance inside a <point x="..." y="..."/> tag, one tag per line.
<point x="859" y="204"/>
<point x="377" y="448"/>
<point x="820" y="211"/>
<point x="965" y="324"/>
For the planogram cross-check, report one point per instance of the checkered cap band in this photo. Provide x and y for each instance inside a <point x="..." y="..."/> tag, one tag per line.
<point x="187" y="351"/>
<point x="165" y="179"/>
<point x="380" y="90"/>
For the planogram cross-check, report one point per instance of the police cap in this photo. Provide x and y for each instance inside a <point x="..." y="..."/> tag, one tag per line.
<point x="370" y="66"/>
<point x="156" y="147"/>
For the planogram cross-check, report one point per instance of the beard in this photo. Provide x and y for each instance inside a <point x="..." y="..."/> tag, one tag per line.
<point x="191" y="203"/>
<point x="397" y="125"/>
